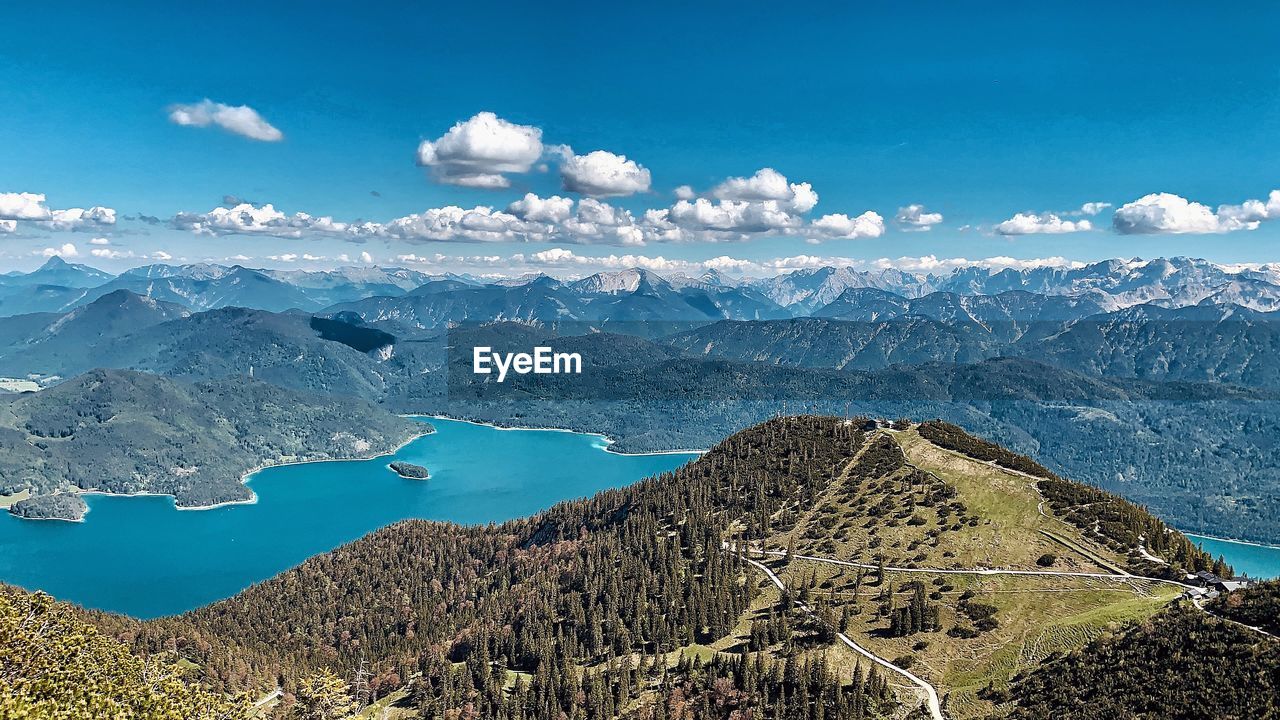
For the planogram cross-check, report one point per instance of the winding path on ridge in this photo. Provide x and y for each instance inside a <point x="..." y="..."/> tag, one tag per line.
<point x="932" y="701"/>
<point x="931" y="694"/>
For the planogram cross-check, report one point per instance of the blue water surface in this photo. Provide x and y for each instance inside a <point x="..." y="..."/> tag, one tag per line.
<point x="1258" y="561"/>
<point x="143" y="557"/>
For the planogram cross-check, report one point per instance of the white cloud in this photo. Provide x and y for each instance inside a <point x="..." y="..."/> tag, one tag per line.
<point x="768" y="184"/>
<point x="1042" y="223"/>
<point x="572" y="263"/>
<point x="480" y="151"/>
<point x="1247" y="215"/>
<point x="599" y="222"/>
<point x="723" y="220"/>
<point x="564" y="261"/>
<point x="238" y="119"/>
<point x="916" y="218"/>
<point x="78" y="219"/>
<point x="1093" y="208"/>
<point x="1166" y="213"/>
<point x="246" y="219"/>
<point x="554" y="219"/>
<point x="110" y="254"/>
<point x="839" y="226"/>
<point x="536" y="209"/>
<point x="685" y="192"/>
<point x="934" y="264"/>
<point x="8" y="226"/>
<point x="452" y="223"/>
<point x="23" y="206"/>
<point x="600" y="173"/>
<point x="66" y="250"/>
<point x="161" y="255"/>
<point x="286" y="257"/>
<point x="366" y="257"/>
<point x="31" y="207"/>
<point x="99" y="241"/>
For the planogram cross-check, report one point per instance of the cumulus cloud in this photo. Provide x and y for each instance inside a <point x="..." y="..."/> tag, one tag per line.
<point x="240" y="120"/>
<point x="594" y="221"/>
<point x="8" y="226"/>
<point x="838" y="226"/>
<point x="111" y="254"/>
<point x="1093" y="208"/>
<point x="1042" y="223"/>
<point x="916" y="218"/>
<point x="366" y="257"/>
<point x="246" y="219"/>
<point x="161" y="256"/>
<point x="23" y="206"/>
<point x="66" y="250"/>
<point x="685" y="192"/>
<point x="565" y="261"/>
<point x="31" y="207"/>
<point x="736" y="217"/>
<point x="560" y="219"/>
<point x="600" y="173"/>
<point x="480" y="151"/>
<point x="81" y="219"/>
<point x="1166" y="213"/>
<point x="768" y="184"/>
<point x="599" y="222"/>
<point x="454" y="224"/>
<point x="536" y="209"/>
<point x="1249" y="214"/>
<point x="935" y="264"/>
<point x="99" y="241"/>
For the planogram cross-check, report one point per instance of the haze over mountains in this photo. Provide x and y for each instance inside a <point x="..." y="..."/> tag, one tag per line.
<point x="415" y="298"/>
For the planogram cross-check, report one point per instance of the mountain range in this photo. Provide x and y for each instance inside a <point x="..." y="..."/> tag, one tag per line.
<point x="1110" y="397"/>
<point x="414" y="299"/>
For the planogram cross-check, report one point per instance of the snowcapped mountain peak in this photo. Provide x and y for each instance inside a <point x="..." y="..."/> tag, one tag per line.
<point x="621" y="281"/>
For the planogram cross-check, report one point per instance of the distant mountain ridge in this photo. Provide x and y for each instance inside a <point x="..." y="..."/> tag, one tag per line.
<point x="635" y="293"/>
<point x="1115" y="398"/>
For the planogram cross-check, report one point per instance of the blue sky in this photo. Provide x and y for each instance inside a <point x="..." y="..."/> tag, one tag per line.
<point x="976" y="112"/>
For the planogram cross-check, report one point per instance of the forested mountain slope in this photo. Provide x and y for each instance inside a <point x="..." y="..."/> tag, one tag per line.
<point x="1126" y="434"/>
<point x="1199" y="454"/>
<point x="128" y="432"/>
<point x="1182" y="664"/>
<point x="639" y="602"/>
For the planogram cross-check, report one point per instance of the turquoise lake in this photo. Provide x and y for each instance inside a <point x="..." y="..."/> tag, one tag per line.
<point x="1259" y="561"/>
<point x="143" y="557"/>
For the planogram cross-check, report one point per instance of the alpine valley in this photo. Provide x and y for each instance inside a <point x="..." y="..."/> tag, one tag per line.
<point x="1155" y="379"/>
<point x="949" y="496"/>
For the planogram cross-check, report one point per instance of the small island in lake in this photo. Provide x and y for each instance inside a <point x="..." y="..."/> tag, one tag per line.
<point x="409" y="470"/>
<point x="60" y="506"/>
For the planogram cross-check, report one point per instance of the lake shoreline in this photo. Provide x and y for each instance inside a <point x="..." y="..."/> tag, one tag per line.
<point x="245" y="479"/>
<point x="608" y="441"/>
<point x="480" y="476"/>
<point x="1234" y="541"/>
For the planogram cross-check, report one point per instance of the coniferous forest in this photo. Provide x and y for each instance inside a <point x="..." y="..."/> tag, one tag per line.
<point x="603" y="607"/>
